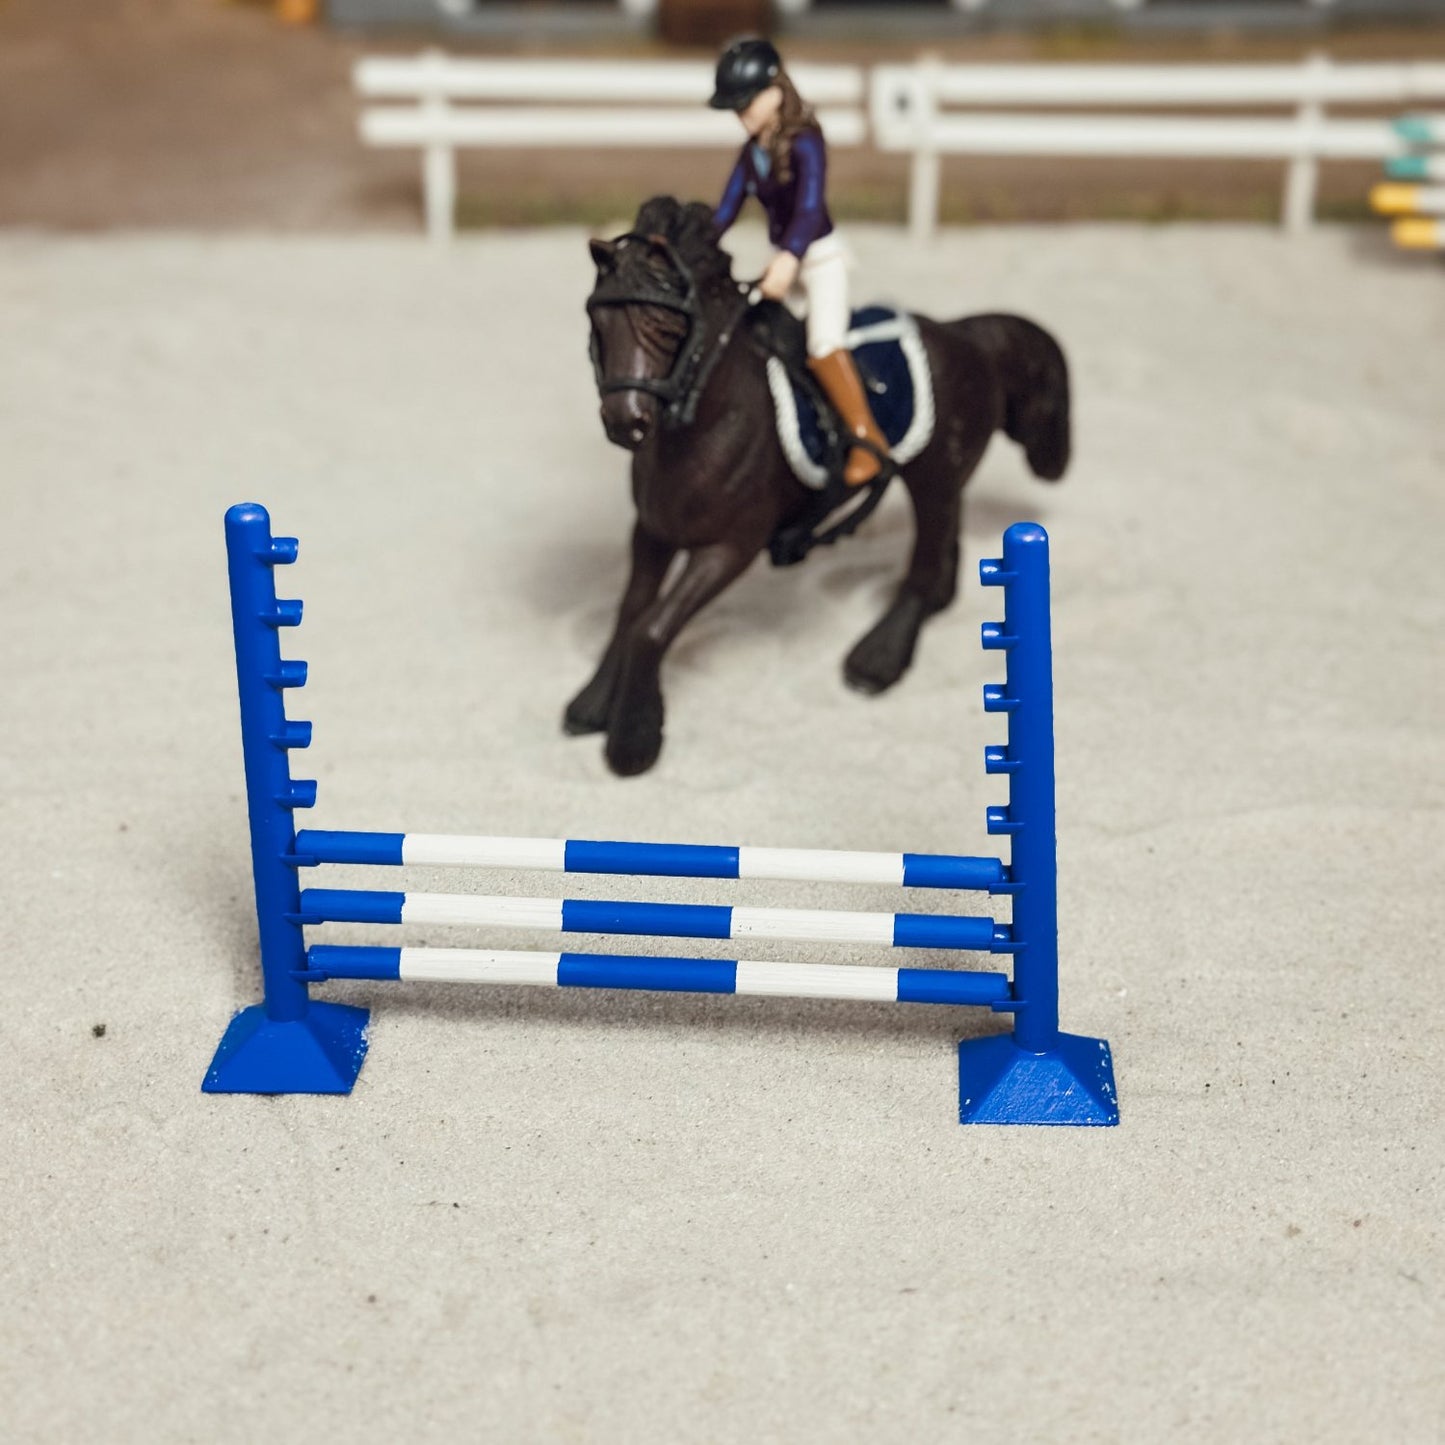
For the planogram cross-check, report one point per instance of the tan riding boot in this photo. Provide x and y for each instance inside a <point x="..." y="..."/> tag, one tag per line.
<point x="838" y="376"/>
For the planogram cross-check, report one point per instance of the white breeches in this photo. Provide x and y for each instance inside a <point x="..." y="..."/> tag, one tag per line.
<point x="823" y="278"/>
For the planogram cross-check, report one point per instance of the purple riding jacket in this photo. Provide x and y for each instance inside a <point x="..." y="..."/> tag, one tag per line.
<point x="797" y="211"/>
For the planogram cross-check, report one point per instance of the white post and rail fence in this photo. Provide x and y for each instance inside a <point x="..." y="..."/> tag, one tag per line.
<point x="927" y="110"/>
<point x="565" y="104"/>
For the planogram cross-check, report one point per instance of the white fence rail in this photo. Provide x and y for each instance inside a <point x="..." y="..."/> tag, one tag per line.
<point x="583" y="104"/>
<point x="437" y="104"/>
<point x="909" y="113"/>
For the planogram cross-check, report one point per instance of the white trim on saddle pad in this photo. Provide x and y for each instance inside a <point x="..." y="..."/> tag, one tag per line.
<point x="901" y="328"/>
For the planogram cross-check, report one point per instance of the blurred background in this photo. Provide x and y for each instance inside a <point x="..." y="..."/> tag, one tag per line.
<point x="252" y="113"/>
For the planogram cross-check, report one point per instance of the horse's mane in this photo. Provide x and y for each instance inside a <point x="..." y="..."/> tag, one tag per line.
<point x="688" y="229"/>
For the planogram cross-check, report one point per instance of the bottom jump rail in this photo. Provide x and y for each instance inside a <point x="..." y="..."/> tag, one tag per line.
<point x="670" y="975"/>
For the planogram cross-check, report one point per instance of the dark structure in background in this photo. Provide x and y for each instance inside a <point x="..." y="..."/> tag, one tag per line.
<point x="704" y="22"/>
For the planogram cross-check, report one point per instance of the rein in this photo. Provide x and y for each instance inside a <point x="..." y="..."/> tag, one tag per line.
<point x="681" y="389"/>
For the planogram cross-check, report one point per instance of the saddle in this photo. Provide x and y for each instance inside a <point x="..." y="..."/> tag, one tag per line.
<point x="893" y="365"/>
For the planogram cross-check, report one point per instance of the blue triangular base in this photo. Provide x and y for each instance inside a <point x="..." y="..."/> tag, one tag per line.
<point x="1000" y="1083"/>
<point x="318" y="1054"/>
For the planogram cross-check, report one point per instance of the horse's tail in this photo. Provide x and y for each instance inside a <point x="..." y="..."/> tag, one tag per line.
<point x="1034" y="384"/>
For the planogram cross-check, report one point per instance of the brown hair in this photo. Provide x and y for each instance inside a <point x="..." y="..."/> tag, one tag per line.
<point x="795" y="117"/>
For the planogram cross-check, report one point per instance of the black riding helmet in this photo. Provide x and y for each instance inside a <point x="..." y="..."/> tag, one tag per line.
<point x="747" y="68"/>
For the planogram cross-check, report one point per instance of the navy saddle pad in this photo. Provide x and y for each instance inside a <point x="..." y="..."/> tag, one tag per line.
<point x="894" y="366"/>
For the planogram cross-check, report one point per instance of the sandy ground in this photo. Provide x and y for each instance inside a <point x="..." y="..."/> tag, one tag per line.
<point x="547" y="1217"/>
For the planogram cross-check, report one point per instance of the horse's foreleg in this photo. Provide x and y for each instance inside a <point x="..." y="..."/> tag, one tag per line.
<point x="634" y="729"/>
<point x="885" y="652"/>
<point x="589" y="710"/>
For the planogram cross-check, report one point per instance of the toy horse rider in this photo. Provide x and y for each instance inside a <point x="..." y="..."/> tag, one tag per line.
<point x="694" y="380"/>
<point x="784" y="163"/>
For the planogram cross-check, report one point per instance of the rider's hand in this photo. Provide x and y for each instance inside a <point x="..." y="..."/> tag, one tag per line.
<point x="778" y="279"/>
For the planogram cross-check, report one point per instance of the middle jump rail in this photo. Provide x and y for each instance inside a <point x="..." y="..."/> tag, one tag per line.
<point x="667" y="920"/>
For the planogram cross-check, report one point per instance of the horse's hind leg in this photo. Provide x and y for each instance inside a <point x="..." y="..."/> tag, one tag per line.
<point x="884" y="653"/>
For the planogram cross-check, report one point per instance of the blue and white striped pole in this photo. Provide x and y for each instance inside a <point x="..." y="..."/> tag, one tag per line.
<point x="287" y="1044"/>
<point x="1419" y="167"/>
<point x="668" y="975"/>
<point x="656" y="920"/>
<point x="652" y="860"/>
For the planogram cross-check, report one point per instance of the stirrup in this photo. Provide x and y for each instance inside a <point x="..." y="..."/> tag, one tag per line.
<point x="887" y="467"/>
<point x="791" y="545"/>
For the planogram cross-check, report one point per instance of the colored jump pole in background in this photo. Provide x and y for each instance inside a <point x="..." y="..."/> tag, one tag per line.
<point x="293" y="1044"/>
<point x="1418" y="210"/>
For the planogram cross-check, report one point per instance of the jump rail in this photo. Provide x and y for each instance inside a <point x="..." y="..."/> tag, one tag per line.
<point x="291" y="1043"/>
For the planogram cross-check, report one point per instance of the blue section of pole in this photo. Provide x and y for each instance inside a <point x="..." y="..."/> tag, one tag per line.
<point x="935" y="930"/>
<point x="333" y="960"/>
<point x="1027" y="699"/>
<point x="665" y="920"/>
<point x="950" y="986"/>
<point x="267" y="737"/>
<point x="657" y="860"/>
<point x="315" y="845"/>
<point x="348" y="905"/>
<point x="969" y="875"/>
<point x="668" y="975"/>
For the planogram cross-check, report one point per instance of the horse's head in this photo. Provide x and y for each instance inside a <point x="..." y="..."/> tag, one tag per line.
<point x="650" y="318"/>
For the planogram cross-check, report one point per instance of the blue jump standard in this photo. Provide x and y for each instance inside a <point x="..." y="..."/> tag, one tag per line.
<point x="291" y="1043"/>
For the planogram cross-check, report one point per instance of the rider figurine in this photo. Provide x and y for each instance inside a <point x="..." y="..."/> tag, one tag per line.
<point x="784" y="163"/>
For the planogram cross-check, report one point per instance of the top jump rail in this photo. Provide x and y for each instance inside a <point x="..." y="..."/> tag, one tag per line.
<point x="656" y="860"/>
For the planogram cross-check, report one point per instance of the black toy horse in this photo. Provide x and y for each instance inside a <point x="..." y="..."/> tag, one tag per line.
<point x="684" y="387"/>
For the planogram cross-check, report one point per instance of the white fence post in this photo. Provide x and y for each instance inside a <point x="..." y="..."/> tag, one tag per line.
<point x="1302" y="177"/>
<point x="439" y="156"/>
<point x="439" y="184"/>
<point x="926" y="172"/>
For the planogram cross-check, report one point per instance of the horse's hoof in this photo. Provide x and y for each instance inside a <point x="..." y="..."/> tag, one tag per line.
<point x="581" y="725"/>
<point x="633" y="751"/>
<point x="884" y="654"/>
<point x="585" y="715"/>
<point x="870" y="680"/>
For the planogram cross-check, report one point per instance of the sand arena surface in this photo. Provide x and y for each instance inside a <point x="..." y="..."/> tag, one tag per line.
<point x="614" y="1217"/>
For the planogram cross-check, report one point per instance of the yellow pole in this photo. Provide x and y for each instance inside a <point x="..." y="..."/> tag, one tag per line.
<point x="1390" y="198"/>
<point x="1419" y="233"/>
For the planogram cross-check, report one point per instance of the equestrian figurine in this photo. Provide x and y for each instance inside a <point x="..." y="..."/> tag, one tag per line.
<point x="784" y="163"/>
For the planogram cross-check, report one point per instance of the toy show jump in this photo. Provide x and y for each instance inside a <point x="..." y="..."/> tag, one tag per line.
<point x="1417" y="205"/>
<point x="293" y="1044"/>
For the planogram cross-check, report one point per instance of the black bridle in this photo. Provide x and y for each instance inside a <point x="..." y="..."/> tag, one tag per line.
<point x="680" y="390"/>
